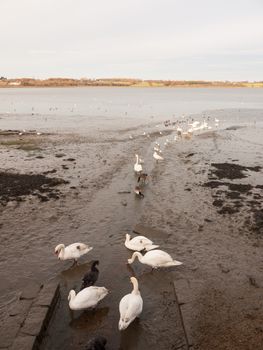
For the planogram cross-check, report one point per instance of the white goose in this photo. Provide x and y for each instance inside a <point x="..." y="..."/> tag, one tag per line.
<point x="137" y="165"/>
<point x="130" y="306"/>
<point x="87" y="297"/>
<point x="155" y="258"/>
<point x="72" y="251"/>
<point x="157" y="156"/>
<point x="139" y="243"/>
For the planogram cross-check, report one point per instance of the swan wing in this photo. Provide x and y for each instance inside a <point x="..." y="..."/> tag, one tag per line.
<point x="141" y="240"/>
<point x="137" y="167"/>
<point x="130" y="307"/>
<point x="76" y="250"/>
<point x="84" y="299"/>
<point x="157" y="257"/>
<point x="124" y="304"/>
<point x="89" y="297"/>
<point x="134" y="307"/>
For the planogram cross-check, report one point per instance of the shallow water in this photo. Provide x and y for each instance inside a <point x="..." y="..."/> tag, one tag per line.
<point x="95" y="212"/>
<point x="80" y="109"/>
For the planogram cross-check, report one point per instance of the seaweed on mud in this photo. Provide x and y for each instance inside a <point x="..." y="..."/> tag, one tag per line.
<point x="228" y="210"/>
<point x="232" y="171"/>
<point x="241" y="188"/>
<point x="231" y="197"/>
<point x="258" y="221"/>
<point x="16" y="186"/>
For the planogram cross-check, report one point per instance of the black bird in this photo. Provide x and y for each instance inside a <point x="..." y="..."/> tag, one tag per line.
<point x="142" y="177"/>
<point x="90" y="277"/>
<point x="97" y="343"/>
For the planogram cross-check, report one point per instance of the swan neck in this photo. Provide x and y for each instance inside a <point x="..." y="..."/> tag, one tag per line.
<point x="139" y="256"/>
<point x="72" y="295"/>
<point x="135" y="286"/>
<point x="62" y="251"/>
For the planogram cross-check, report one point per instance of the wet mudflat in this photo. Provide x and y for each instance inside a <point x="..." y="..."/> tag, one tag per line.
<point x="220" y="282"/>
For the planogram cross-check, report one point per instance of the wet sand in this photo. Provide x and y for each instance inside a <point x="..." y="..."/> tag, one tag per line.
<point x="220" y="282"/>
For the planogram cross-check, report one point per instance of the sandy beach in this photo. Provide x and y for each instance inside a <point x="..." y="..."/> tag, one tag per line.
<point x="202" y="204"/>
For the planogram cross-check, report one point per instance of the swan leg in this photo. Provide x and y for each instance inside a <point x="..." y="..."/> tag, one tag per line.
<point x="71" y="314"/>
<point x="75" y="262"/>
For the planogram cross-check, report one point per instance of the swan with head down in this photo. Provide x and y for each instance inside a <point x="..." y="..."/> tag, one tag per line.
<point x="130" y="306"/>
<point x="139" y="243"/>
<point x="155" y="258"/>
<point x="72" y="251"/>
<point x="86" y="298"/>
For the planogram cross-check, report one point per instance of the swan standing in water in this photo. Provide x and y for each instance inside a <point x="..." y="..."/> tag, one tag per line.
<point x="137" y="165"/>
<point x="155" y="258"/>
<point x="130" y="306"/>
<point x="157" y="156"/>
<point x="87" y="297"/>
<point x="72" y="251"/>
<point x="139" y="243"/>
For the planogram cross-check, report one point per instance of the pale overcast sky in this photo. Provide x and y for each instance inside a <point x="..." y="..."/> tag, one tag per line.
<point x="148" y="39"/>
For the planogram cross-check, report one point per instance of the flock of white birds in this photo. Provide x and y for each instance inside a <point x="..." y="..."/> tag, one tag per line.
<point x="131" y="305"/>
<point x="184" y="129"/>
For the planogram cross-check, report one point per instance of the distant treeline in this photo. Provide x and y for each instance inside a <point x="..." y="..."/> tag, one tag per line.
<point x="65" y="82"/>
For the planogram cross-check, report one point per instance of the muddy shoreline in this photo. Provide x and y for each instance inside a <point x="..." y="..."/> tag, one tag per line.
<point x="204" y="205"/>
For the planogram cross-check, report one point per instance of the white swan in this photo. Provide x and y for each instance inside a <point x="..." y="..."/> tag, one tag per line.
<point x="130" y="306"/>
<point x="157" y="156"/>
<point x="155" y="258"/>
<point x="137" y="165"/>
<point x="72" y="251"/>
<point x="87" y="297"/>
<point x="139" y="243"/>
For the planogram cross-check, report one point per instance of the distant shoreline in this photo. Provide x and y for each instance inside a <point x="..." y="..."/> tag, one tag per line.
<point x="66" y="82"/>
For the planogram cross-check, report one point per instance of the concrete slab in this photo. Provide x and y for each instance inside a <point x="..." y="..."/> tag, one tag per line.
<point x="8" y="331"/>
<point x="26" y="342"/>
<point x="35" y="320"/>
<point x="48" y="294"/>
<point x="30" y="291"/>
<point x="20" y="309"/>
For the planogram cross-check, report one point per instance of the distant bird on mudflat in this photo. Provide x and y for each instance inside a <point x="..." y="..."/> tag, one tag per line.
<point x="137" y="165"/>
<point x="157" y="156"/>
<point x="138" y="191"/>
<point x="142" y="178"/>
<point x="96" y="343"/>
<point x="90" y="277"/>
